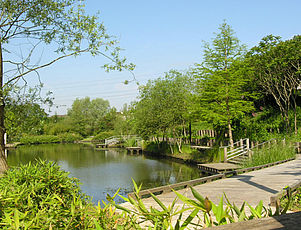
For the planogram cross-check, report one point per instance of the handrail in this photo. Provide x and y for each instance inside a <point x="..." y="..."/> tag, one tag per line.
<point x="235" y="143"/>
<point x="115" y="139"/>
<point x="241" y="154"/>
<point x="269" y="141"/>
<point x="238" y="148"/>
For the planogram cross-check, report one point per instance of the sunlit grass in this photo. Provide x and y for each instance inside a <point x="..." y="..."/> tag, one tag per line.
<point x="270" y="154"/>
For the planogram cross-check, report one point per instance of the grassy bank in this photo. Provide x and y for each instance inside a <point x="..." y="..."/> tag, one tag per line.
<point x="270" y="154"/>
<point x="187" y="153"/>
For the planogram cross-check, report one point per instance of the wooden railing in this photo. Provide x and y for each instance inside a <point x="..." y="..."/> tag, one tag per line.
<point x="116" y="139"/>
<point x="242" y="147"/>
<point x="239" y="148"/>
<point x="185" y="184"/>
<point x="274" y="200"/>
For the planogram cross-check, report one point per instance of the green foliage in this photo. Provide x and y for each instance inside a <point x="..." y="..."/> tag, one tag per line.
<point x="23" y="114"/>
<point x="163" y="105"/>
<point x="221" y="81"/>
<point x="103" y="135"/>
<point x="131" y="142"/>
<point x="42" y="139"/>
<point x="270" y="154"/>
<point x="69" y="137"/>
<point x="157" y="148"/>
<point x="88" y="116"/>
<point x="294" y="200"/>
<point x="276" y="67"/>
<point x="202" y="212"/>
<point x="54" y="127"/>
<point x="41" y="195"/>
<point x="45" y="139"/>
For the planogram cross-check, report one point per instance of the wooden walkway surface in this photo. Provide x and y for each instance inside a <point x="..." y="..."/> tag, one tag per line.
<point x="251" y="187"/>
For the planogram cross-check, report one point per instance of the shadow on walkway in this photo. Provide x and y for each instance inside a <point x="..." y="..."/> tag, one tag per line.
<point x="247" y="179"/>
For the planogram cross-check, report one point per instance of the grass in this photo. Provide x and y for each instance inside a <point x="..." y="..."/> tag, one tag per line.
<point x="295" y="204"/>
<point x="274" y="153"/>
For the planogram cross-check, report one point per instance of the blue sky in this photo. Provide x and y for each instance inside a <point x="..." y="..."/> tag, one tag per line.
<point x="161" y="35"/>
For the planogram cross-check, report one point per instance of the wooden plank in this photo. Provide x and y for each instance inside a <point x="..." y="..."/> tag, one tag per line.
<point x="219" y="167"/>
<point x="200" y="147"/>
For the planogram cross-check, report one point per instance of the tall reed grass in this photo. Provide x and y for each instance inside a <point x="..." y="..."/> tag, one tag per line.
<point x="270" y="154"/>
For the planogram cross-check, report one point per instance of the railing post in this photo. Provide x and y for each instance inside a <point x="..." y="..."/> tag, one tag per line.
<point x="241" y="143"/>
<point x="225" y="154"/>
<point x="248" y="147"/>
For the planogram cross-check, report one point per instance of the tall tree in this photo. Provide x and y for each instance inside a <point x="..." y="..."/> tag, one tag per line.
<point x="61" y="23"/>
<point x="276" y="66"/>
<point x="222" y="97"/>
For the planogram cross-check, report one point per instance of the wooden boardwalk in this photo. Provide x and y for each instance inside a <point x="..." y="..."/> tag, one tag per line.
<point x="251" y="187"/>
<point x="215" y="168"/>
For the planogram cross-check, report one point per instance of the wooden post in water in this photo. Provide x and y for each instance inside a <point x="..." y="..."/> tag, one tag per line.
<point x="225" y="154"/>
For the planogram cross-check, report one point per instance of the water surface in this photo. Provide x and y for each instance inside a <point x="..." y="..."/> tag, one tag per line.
<point x="102" y="172"/>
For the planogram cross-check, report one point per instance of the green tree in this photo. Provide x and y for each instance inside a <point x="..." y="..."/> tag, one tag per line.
<point x="163" y="106"/>
<point x="222" y="98"/>
<point x="276" y="66"/>
<point x="87" y="116"/>
<point x="23" y="113"/>
<point x="61" y="23"/>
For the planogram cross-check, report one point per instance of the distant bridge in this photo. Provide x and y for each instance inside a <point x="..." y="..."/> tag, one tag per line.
<point x="120" y="138"/>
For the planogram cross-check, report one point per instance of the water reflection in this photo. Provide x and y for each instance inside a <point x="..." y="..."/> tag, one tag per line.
<point x="102" y="172"/>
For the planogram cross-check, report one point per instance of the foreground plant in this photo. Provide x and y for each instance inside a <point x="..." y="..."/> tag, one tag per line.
<point x="42" y="196"/>
<point x="202" y="212"/>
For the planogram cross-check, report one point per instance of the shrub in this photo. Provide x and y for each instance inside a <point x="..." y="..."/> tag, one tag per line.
<point x="40" y="195"/>
<point x="42" y="139"/>
<point x="69" y="137"/>
<point x="103" y="135"/>
<point x="47" y="139"/>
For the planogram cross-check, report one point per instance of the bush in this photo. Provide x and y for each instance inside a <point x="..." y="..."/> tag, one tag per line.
<point x="103" y="135"/>
<point x="42" y="139"/>
<point x="69" y="137"/>
<point x="40" y="195"/>
<point x="47" y="139"/>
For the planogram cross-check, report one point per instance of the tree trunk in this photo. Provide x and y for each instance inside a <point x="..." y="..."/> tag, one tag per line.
<point x="295" y="114"/>
<point x="3" y="161"/>
<point x="190" y="137"/>
<point x="230" y="135"/>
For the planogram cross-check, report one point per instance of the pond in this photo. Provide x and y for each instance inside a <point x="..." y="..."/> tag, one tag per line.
<point x="102" y="172"/>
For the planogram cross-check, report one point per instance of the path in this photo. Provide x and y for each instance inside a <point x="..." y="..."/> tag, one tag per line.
<point x="251" y="187"/>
